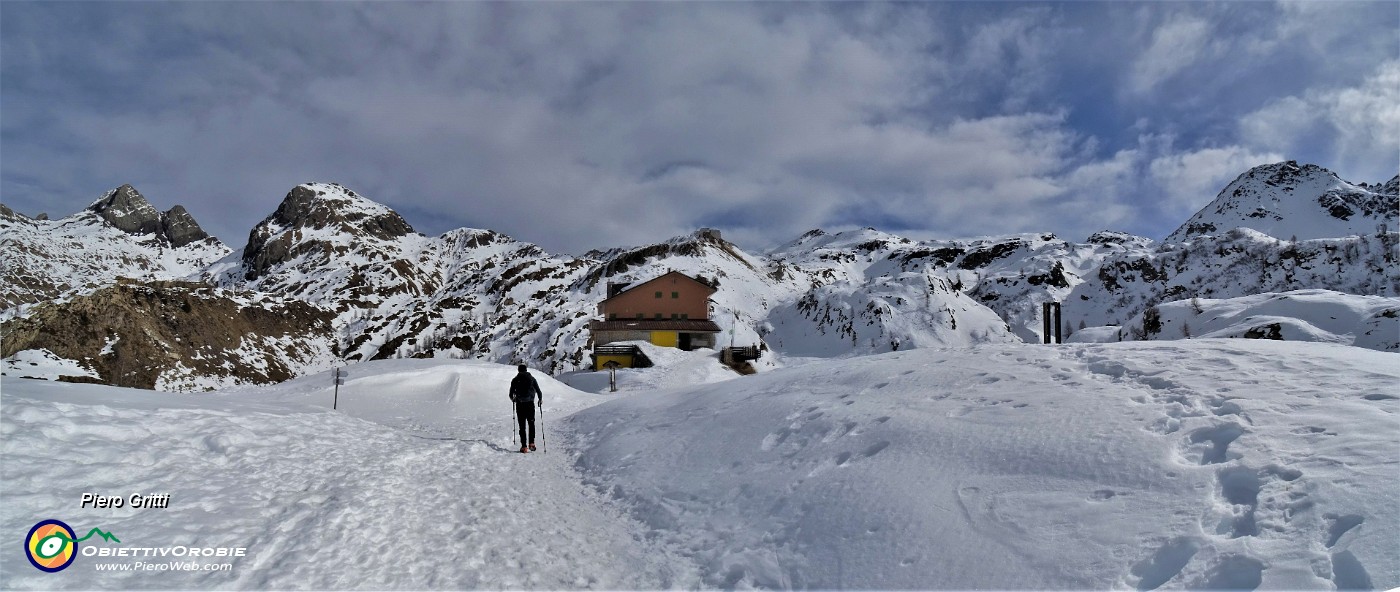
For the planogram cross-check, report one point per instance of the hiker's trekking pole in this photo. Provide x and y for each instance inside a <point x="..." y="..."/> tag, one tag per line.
<point x="543" y="442"/>
<point x="513" y="423"/>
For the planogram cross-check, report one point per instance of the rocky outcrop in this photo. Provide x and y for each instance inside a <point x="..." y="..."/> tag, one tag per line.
<point x="178" y="335"/>
<point x="127" y="210"/>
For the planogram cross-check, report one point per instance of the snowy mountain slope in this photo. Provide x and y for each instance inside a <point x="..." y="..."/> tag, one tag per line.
<point x="1291" y="201"/>
<point x="1195" y="464"/>
<point x="1011" y="275"/>
<point x="1372" y="322"/>
<point x="1190" y="464"/>
<point x="884" y="313"/>
<point x="46" y="260"/>
<point x="1241" y="262"/>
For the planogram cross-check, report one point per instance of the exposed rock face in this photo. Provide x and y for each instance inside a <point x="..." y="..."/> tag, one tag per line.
<point x="180" y="228"/>
<point x="178" y="335"/>
<point x="127" y="210"/>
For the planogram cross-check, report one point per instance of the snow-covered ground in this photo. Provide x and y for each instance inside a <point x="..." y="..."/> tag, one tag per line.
<point x="1188" y="464"/>
<point x="1372" y="322"/>
<point x="410" y="485"/>
<point x="42" y="364"/>
<point x="672" y="368"/>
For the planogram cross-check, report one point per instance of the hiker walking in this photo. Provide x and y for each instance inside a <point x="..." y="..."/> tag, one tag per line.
<point x="525" y="393"/>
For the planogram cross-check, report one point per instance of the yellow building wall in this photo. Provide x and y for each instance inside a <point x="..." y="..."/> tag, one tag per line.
<point x="622" y="361"/>
<point x="665" y="338"/>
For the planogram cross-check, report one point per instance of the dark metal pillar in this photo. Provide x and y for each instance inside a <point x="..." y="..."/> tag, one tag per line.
<point x="1050" y="322"/>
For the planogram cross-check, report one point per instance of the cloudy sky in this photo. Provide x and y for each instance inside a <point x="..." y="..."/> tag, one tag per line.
<point x="589" y="125"/>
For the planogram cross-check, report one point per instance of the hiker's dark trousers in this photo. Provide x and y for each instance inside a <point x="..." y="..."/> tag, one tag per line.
<point x="526" y="415"/>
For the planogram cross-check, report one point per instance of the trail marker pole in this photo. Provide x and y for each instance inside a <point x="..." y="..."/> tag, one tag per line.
<point x="339" y="380"/>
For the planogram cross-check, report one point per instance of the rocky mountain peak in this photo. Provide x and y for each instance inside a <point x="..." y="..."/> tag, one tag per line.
<point x="311" y="218"/>
<point x="1286" y="173"/>
<point x="1288" y="200"/>
<point x="330" y="205"/>
<point x="127" y="210"/>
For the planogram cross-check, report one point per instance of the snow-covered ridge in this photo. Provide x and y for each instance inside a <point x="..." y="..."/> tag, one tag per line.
<point x="1291" y="201"/>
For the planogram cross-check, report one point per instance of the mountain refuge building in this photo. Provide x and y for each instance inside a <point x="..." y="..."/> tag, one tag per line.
<point x="672" y="310"/>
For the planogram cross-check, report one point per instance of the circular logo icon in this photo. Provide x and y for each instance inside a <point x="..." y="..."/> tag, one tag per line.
<point x="51" y="545"/>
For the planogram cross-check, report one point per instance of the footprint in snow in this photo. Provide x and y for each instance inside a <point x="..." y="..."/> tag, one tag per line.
<point x="1339" y="526"/>
<point x="1104" y="495"/>
<point x="875" y="448"/>
<point x="1166" y="563"/>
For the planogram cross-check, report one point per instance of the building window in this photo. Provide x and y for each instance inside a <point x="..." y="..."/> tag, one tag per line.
<point x="658" y="316"/>
<point x="612" y="316"/>
<point x="675" y="316"/>
<point x="658" y="294"/>
<point x="675" y="294"/>
<point x="685" y="316"/>
<point x="639" y="316"/>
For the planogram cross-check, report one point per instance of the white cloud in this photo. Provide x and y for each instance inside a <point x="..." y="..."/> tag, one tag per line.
<point x="593" y="125"/>
<point x="1190" y="180"/>
<point x="1176" y="45"/>
<point x="1358" y="127"/>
